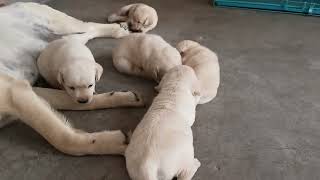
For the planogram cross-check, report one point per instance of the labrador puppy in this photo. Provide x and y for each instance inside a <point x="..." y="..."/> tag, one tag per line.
<point x="161" y="146"/>
<point x="68" y="64"/>
<point x="145" y="55"/>
<point x="205" y="63"/>
<point x="139" y="17"/>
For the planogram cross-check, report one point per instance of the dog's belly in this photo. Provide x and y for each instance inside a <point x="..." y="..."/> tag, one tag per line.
<point x="23" y="36"/>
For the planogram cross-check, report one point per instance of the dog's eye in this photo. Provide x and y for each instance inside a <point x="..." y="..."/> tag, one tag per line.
<point x="90" y="85"/>
<point x="72" y="88"/>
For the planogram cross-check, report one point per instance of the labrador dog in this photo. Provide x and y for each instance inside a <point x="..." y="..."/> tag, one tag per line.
<point x="161" y="147"/>
<point x="68" y="64"/>
<point x="205" y="63"/>
<point x="26" y="29"/>
<point x="145" y="55"/>
<point x="139" y="17"/>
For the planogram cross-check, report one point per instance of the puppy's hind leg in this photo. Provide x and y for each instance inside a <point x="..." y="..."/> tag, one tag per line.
<point x="189" y="172"/>
<point x="126" y="67"/>
<point x="35" y="112"/>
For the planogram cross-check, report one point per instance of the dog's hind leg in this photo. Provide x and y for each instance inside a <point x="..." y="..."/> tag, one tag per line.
<point x="35" y="112"/>
<point x="59" y="99"/>
<point x="60" y="23"/>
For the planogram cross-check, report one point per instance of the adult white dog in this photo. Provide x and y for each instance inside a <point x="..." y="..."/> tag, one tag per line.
<point x="139" y="17"/>
<point x="26" y="28"/>
<point x="206" y="65"/>
<point x="145" y="55"/>
<point x="161" y="146"/>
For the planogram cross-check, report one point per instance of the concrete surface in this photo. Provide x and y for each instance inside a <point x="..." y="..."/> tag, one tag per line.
<point x="263" y="125"/>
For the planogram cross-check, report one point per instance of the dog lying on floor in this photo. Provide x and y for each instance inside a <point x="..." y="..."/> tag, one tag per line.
<point x="26" y="28"/>
<point x="145" y="55"/>
<point x="161" y="147"/>
<point x="206" y="66"/>
<point x="139" y="17"/>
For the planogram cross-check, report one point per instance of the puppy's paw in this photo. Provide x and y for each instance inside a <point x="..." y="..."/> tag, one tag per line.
<point x="121" y="31"/>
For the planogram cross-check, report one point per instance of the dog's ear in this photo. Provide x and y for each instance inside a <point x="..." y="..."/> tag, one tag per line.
<point x="60" y="78"/>
<point x="99" y="71"/>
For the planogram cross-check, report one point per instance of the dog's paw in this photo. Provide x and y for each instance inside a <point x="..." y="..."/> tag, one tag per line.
<point x="135" y="99"/>
<point x="124" y="99"/>
<point x="121" y="31"/>
<point x="132" y="98"/>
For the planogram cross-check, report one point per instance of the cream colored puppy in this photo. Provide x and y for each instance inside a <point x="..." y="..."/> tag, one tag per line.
<point x="161" y="146"/>
<point x="205" y="63"/>
<point x="68" y="64"/>
<point x="145" y="55"/>
<point x="139" y="17"/>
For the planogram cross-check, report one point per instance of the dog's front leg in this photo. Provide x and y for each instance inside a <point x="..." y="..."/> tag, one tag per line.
<point x="36" y="113"/>
<point x="59" y="99"/>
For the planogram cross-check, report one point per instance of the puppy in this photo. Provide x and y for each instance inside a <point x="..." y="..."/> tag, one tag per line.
<point x="145" y="55"/>
<point x="68" y="64"/>
<point x="206" y="66"/>
<point x="161" y="146"/>
<point x="139" y="17"/>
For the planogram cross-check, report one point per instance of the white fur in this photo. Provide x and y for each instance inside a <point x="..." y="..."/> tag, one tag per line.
<point x="206" y="66"/>
<point x="26" y="28"/>
<point x="69" y="64"/>
<point x="139" y="17"/>
<point x="161" y="146"/>
<point x="145" y="55"/>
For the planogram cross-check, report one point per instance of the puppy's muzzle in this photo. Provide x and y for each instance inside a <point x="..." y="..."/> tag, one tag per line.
<point x="134" y="30"/>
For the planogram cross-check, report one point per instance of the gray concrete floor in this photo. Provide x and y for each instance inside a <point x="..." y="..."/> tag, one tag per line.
<point x="263" y="125"/>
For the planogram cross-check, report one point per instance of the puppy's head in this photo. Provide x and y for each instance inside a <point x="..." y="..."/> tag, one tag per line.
<point x="185" y="77"/>
<point x="79" y="80"/>
<point x="185" y="45"/>
<point x="142" y="18"/>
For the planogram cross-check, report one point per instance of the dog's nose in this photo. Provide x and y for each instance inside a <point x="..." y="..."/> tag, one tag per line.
<point x="82" y="101"/>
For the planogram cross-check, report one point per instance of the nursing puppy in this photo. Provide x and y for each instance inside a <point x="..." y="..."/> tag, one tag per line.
<point x="139" y="17"/>
<point x="68" y="64"/>
<point x="206" y="66"/>
<point x="161" y="146"/>
<point x="145" y="55"/>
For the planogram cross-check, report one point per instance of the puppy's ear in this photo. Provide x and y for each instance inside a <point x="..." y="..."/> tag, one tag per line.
<point x="60" y="78"/>
<point x="99" y="71"/>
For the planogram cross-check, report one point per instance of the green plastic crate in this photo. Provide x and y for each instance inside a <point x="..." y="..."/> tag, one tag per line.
<point x="310" y="7"/>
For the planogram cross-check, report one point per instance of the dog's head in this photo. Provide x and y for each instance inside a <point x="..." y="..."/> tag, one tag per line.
<point x="79" y="80"/>
<point x="185" y="77"/>
<point x="142" y="18"/>
<point x="185" y="45"/>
